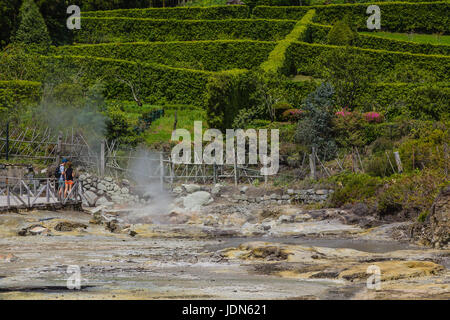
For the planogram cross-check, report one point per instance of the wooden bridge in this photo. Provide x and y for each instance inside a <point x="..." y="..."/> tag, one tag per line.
<point x="36" y="193"/>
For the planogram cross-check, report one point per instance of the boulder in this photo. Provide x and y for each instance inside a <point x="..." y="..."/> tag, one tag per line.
<point x="196" y="200"/>
<point x="101" y="186"/>
<point x="243" y="189"/>
<point x="191" y="188"/>
<point x="216" y="189"/>
<point x="91" y="197"/>
<point x="102" y="201"/>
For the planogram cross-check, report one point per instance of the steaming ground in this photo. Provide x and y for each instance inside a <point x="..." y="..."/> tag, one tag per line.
<point x="223" y="251"/>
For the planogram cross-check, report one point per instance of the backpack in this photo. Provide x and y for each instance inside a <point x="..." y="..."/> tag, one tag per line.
<point x="57" y="173"/>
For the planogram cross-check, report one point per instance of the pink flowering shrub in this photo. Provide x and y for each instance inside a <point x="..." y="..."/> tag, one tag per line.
<point x="292" y="115"/>
<point x="373" y="117"/>
<point x="344" y="113"/>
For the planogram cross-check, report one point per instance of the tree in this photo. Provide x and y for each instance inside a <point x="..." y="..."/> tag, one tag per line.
<point x="349" y="73"/>
<point x="315" y="129"/>
<point x="32" y="29"/>
<point x="341" y="34"/>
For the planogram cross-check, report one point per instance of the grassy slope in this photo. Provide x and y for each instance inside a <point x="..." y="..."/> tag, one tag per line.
<point x="419" y="38"/>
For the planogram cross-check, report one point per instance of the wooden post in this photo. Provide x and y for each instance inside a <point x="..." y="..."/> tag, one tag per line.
<point x="235" y="171"/>
<point x="59" y="149"/>
<point x="389" y="159"/>
<point x="312" y="163"/>
<point x="446" y="159"/>
<point x="8" y="194"/>
<point x="7" y="141"/>
<point x="175" y="121"/>
<point x="161" y="174"/>
<point x="102" y="158"/>
<point x="48" y="191"/>
<point x="398" y="161"/>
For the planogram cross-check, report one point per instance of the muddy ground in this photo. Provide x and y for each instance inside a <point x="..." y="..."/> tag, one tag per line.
<point x="215" y="254"/>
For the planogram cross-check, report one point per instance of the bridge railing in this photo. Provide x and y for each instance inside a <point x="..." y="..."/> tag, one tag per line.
<point x="29" y="192"/>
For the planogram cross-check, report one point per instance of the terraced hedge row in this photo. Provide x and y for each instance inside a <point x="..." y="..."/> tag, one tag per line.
<point x="318" y="34"/>
<point x="201" y="55"/>
<point x="395" y="16"/>
<point x="157" y="83"/>
<point x="278" y="61"/>
<point x="22" y="90"/>
<point x="100" y="30"/>
<point x="380" y="62"/>
<point x="178" y="13"/>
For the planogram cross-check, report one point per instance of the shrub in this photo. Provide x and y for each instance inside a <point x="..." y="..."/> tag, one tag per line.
<point x="352" y="188"/>
<point x="351" y="129"/>
<point x="32" y="30"/>
<point x="97" y="30"/>
<point x="292" y="115"/>
<point x="178" y="13"/>
<point x="373" y="117"/>
<point x="340" y="34"/>
<point x="315" y="129"/>
<point x="379" y="63"/>
<point x="203" y="55"/>
<point x="396" y="16"/>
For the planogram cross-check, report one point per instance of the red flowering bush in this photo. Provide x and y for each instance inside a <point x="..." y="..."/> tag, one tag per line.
<point x="292" y="115"/>
<point x="373" y="117"/>
<point x="343" y="113"/>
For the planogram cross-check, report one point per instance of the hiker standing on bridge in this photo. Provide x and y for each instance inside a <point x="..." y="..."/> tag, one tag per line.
<point x="60" y="175"/>
<point x="68" y="174"/>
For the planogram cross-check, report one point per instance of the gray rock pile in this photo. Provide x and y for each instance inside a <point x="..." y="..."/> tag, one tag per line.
<point x="106" y="191"/>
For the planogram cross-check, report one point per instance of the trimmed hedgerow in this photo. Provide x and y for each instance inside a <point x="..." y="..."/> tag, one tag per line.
<point x="157" y="83"/>
<point x="380" y="62"/>
<point x="23" y="90"/>
<point x="395" y="16"/>
<point x="318" y="34"/>
<point x="178" y="13"/>
<point x="278" y="60"/>
<point x="98" y="30"/>
<point x="202" y="55"/>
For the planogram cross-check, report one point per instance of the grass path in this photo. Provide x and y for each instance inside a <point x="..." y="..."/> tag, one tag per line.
<point x="415" y="37"/>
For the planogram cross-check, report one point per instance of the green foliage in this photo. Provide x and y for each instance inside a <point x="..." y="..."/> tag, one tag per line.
<point x="315" y="129"/>
<point x="352" y="187"/>
<point x="226" y="93"/>
<point x="379" y="63"/>
<point x="202" y="55"/>
<point x="178" y="13"/>
<point x="341" y="34"/>
<point x="23" y="91"/>
<point x="32" y="29"/>
<point x="317" y="33"/>
<point x="97" y="30"/>
<point x="396" y="16"/>
<point x="348" y="72"/>
<point x="277" y="61"/>
<point x="18" y="64"/>
<point x="352" y="130"/>
<point x="156" y="83"/>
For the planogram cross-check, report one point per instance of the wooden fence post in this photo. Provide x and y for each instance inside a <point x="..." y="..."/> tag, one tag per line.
<point x="102" y="158"/>
<point x="59" y="148"/>
<point x="7" y="141"/>
<point x="398" y="161"/>
<point x="312" y="163"/>
<point x="161" y="173"/>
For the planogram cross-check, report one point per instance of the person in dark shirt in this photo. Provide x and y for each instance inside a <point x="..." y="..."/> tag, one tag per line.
<point x="69" y="178"/>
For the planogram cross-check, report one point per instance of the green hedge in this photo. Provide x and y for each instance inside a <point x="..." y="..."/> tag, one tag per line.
<point x="157" y="83"/>
<point x="395" y="16"/>
<point x="29" y="91"/>
<point x="178" y="13"/>
<point x="278" y="60"/>
<point x="380" y="62"/>
<point x="202" y="55"/>
<point x="318" y="34"/>
<point x="98" y="30"/>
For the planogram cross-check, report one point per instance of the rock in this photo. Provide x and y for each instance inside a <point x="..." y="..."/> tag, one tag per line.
<point x="191" y="188"/>
<point x="290" y="191"/>
<point x="216" y="189"/>
<point x="286" y="218"/>
<point x="125" y="182"/>
<point x="113" y="226"/>
<point x="177" y="190"/>
<point x="8" y="258"/>
<point x="91" y="198"/>
<point x="69" y="226"/>
<point x="102" y="201"/>
<point x="38" y="230"/>
<point x="108" y="179"/>
<point x="321" y="191"/>
<point x="435" y="230"/>
<point x="196" y="200"/>
<point x="101" y="187"/>
<point x="243" y="189"/>
<point x="124" y="190"/>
